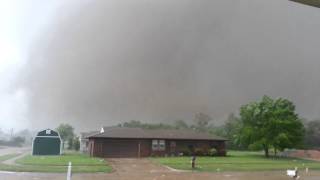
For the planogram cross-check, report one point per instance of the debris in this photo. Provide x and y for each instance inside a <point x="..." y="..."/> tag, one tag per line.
<point x="293" y="173"/>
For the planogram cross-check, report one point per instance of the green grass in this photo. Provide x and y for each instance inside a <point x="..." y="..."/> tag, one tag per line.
<point x="81" y="163"/>
<point x="238" y="161"/>
<point x="77" y="159"/>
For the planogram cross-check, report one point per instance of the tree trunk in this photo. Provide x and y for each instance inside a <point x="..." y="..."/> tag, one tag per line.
<point x="266" y="151"/>
<point x="275" y="152"/>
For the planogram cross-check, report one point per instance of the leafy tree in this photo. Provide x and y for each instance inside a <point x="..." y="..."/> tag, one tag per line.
<point x="138" y="124"/>
<point x="312" y="137"/>
<point x="231" y="131"/>
<point x="70" y="143"/>
<point x="27" y="134"/>
<point x="180" y="124"/>
<point x="17" y="141"/>
<point x="270" y="123"/>
<point x="201" y="121"/>
<point x="132" y="123"/>
<point x="66" y="132"/>
<point x="76" y="143"/>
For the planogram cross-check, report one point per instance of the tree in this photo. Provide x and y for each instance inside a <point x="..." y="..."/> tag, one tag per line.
<point x="66" y="132"/>
<point x="70" y="143"/>
<point x="180" y="124"/>
<point x="76" y="143"/>
<point x="27" y="134"/>
<point x="231" y="130"/>
<point x="201" y="121"/>
<point x="270" y="124"/>
<point x="132" y="123"/>
<point x="17" y="141"/>
<point x="312" y="137"/>
<point x="138" y="124"/>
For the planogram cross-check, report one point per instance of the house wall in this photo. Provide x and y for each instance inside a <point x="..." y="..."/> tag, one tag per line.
<point x="84" y="145"/>
<point x="119" y="147"/>
<point x="103" y="147"/>
<point x="191" y="146"/>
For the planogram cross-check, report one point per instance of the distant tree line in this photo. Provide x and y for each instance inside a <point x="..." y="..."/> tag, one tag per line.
<point x="312" y="136"/>
<point x="16" y="141"/>
<point x="200" y="123"/>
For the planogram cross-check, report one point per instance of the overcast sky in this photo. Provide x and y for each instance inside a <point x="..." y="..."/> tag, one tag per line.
<point x="94" y="63"/>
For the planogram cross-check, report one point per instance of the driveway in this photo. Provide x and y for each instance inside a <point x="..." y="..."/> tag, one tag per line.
<point x="13" y="150"/>
<point x="144" y="169"/>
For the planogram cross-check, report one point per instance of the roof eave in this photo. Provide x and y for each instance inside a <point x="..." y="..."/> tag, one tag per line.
<point x="204" y="139"/>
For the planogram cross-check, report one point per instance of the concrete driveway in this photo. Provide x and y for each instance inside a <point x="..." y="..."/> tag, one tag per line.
<point x="144" y="169"/>
<point x="13" y="150"/>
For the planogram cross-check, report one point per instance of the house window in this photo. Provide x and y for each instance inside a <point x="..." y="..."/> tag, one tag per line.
<point x="154" y="145"/>
<point x="158" y="145"/>
<point x="162" y="145"/>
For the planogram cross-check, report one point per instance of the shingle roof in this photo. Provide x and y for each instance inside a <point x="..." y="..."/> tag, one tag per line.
<point x="315" y="3"/>
<point x="87" y="134"/>
<point x="48" y="132"/>
<point x="138" y="133"/>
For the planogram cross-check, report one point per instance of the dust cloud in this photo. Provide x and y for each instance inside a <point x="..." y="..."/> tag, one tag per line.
<point x="105" y="62"/>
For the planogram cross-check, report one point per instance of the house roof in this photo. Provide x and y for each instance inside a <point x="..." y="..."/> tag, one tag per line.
<point x="315" y="3"/>
<point x="139" y="133"/>
<point x="87" y="134"/>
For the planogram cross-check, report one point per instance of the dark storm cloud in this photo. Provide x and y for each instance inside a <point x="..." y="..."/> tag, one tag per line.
<point x="103" y="62"/>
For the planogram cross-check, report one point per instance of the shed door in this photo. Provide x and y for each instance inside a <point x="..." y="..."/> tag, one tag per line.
<point x="121" y="148"/>
<point x="46" y="146"/>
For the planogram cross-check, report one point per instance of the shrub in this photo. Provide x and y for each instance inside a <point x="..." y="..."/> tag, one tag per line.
<point x="213" y="152"/>
<point x="201" y="152"/>
<point x="186" y="152"/>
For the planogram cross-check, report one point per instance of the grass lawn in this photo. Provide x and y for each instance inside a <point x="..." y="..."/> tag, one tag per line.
<point x="80" y="163"/>
<point x="238" y="161"/>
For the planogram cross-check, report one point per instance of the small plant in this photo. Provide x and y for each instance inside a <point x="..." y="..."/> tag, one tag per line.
<point x="186" y="152"/>
<point x="213" y="152"/>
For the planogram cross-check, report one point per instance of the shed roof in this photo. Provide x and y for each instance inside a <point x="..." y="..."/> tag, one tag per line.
<point x="48" y="132"/>
<point x="139" y="133"/>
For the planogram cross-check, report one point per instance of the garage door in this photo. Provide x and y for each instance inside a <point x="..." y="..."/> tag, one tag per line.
<point x="120" y="148"/>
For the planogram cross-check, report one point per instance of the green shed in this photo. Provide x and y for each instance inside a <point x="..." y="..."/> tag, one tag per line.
<point x="47" y="142"/>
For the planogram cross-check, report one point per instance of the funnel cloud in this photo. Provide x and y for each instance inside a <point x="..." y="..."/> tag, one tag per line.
<point x="104" y="62"/>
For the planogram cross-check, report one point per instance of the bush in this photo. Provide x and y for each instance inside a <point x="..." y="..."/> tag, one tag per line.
<point x="186" y="152"/>
<point x="198" y="152"/>
<point x="201" y="152"/>
<point x="213" y="152"/>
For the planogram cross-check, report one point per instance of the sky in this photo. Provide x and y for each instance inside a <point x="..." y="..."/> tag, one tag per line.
<point x="20" y="21"/>
<point x="98" y="63"/>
